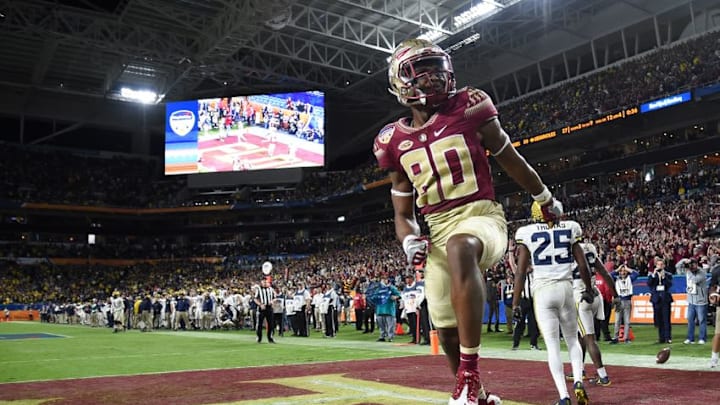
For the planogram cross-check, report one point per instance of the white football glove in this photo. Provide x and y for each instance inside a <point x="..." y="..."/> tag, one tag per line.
<point x="551" y="208"/>
<point x="416" y="249"/>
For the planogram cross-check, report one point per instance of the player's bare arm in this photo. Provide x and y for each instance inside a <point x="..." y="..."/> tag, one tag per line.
<point x="404" y="206"/>
<point x="523" y="261"/>
<point x="497" y="141"/>
<point x="599" y="269"/>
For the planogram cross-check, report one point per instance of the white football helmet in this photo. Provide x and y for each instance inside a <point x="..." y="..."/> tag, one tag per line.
<point x="414" y="59"/>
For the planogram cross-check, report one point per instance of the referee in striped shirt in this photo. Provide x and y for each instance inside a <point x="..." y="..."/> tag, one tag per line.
<point x="263" y="298"/>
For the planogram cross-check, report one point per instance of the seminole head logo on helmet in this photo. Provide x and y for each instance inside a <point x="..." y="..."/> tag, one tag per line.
<point x="420" y="74"/>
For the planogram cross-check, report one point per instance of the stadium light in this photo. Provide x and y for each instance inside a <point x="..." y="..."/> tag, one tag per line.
<point x="474" y="13"/>
<point x="431" y="35"/>
<point x="481" y="11"/>
<point x="140" y="96"/>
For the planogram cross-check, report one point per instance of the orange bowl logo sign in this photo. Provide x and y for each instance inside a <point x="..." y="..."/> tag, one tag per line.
<point x="182" y="122"/>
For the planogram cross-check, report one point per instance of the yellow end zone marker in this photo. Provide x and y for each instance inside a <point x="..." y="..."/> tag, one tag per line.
<point x="335" y="389"/>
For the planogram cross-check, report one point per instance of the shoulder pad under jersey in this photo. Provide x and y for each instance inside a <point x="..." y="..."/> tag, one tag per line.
<point x="478" y="105"/>
<point x="576" y="231"/>
<point x="523" y="233"/>
<point x="590" y="252"/>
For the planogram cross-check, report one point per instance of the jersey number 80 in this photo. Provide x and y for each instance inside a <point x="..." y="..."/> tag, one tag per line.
<point x="448" y="183"/>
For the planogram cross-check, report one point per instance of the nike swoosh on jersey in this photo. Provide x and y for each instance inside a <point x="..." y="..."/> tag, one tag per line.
<point x="439" y="131"/>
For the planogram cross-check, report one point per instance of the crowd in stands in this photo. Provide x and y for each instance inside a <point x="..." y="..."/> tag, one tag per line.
<point x="66" y="177"/>
<point x="658" y="73"/>
<point x="626" y="149"/>
<point x="44" y="281"/>
<point x="50" y="246"/>
<point x="672" y="221"/>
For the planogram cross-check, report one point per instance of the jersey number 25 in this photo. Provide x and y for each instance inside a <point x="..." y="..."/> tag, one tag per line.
<point x="560" y="239"/>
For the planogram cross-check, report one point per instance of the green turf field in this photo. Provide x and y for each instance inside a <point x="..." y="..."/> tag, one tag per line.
<point x="87" y="352"/>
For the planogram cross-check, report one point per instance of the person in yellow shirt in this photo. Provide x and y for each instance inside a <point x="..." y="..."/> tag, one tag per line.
<point x="136" y="312"/>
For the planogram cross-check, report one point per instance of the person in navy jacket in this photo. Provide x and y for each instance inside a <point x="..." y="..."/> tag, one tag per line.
<point x="660" y="283"/>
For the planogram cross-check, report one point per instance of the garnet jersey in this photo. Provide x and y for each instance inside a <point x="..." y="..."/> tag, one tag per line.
<point x="444" y="159"/>
<point x="550" y="250"/>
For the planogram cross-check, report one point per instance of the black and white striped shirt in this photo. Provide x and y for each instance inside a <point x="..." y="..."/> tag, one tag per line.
<point x="527" y="291"/>
<point x="265" y="295"/>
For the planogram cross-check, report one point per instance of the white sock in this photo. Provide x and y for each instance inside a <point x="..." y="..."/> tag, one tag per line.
<point x="714" y="355"/>
<point x="602" y="372"/>
<point x="469" y="350"/>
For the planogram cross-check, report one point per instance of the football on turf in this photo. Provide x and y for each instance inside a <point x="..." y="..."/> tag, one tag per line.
<point x="662" y="356"/>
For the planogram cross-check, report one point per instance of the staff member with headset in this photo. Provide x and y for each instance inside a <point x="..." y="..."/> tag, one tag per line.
<point x="264" y="297"/>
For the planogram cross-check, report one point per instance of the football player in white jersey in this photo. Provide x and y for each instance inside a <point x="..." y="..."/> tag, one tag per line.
<point x="117" y="306"/>
<point x="588" y="312"/>
<point x="551" y="249"/>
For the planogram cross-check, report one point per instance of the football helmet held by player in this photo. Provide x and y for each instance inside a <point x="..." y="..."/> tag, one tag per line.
<point x="550" y="212"/>
<point x="421" y="74"/>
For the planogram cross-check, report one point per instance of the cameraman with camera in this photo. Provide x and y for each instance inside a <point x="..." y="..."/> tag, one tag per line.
<point x="697" y="294"/>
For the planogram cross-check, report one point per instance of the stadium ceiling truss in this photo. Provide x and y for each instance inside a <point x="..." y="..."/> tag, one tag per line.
<point x="187" y="48"/>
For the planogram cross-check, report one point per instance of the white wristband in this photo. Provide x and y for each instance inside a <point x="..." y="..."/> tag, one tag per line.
<point x="398" y="193"/>
<point x="544" y="196"/>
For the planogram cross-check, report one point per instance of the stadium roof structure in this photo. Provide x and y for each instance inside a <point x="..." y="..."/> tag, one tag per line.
<point x="76" y="52"/>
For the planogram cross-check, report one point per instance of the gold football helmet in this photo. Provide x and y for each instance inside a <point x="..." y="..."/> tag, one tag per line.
<point x="536" y="212"/>
<point x="415" y="59"/>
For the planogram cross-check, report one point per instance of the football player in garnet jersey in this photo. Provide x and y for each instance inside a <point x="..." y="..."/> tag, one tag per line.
<point x="438" y="157"/>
